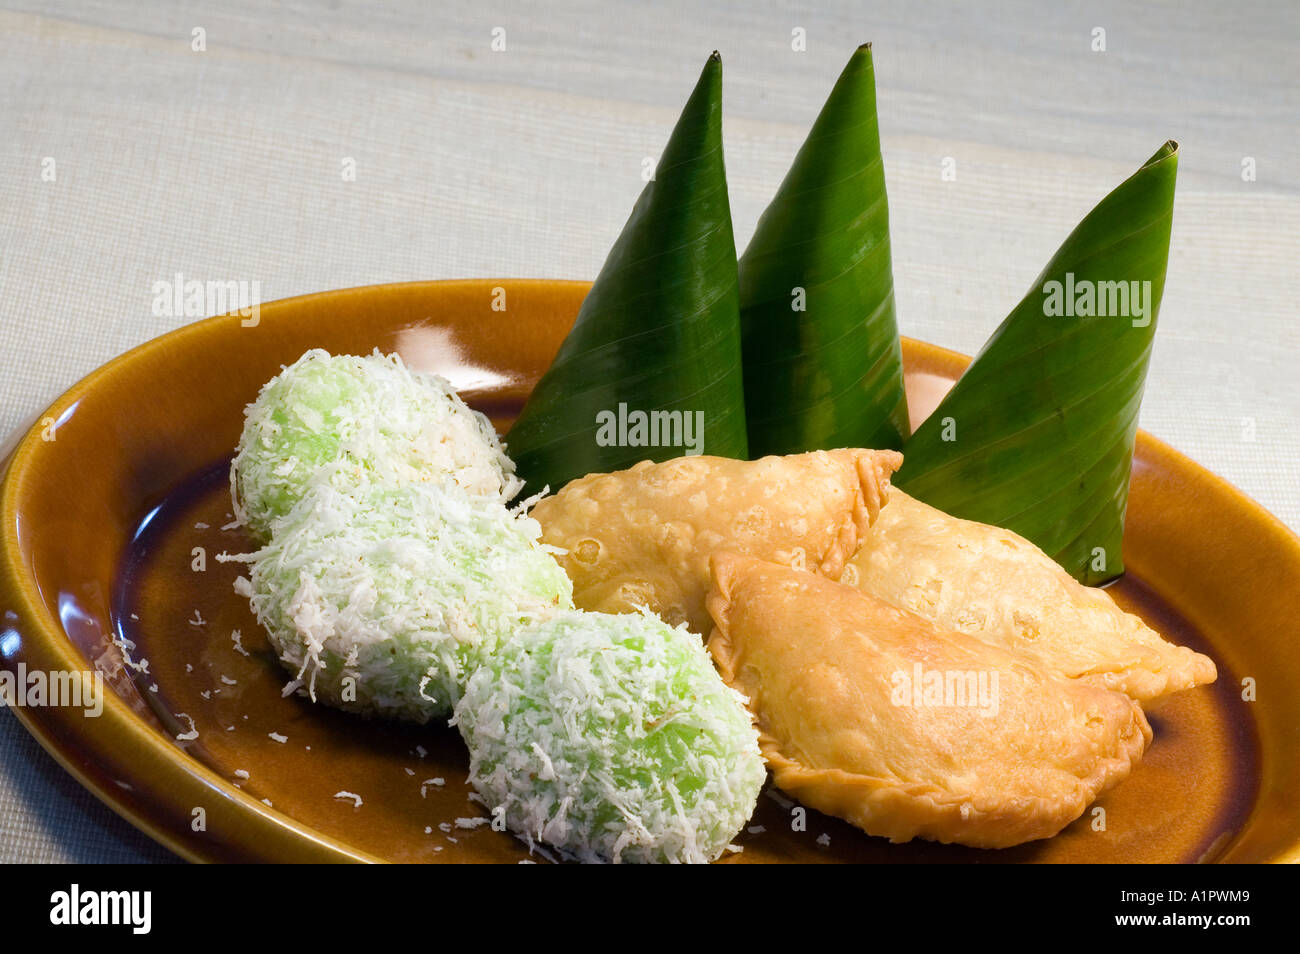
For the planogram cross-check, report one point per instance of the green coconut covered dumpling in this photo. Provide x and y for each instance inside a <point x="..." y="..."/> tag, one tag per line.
<point x="612" y="738"/>
<point x="384" y="602"/>
<point x="352" y="421"/>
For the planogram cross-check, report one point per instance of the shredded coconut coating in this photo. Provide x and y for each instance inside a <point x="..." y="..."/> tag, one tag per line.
<point x="354" y="421"/>
<point x="612" y="738"/>
<point x="383" y="603"/>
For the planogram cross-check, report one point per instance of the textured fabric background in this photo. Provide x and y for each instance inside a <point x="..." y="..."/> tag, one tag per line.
<point x="226" y="164"/>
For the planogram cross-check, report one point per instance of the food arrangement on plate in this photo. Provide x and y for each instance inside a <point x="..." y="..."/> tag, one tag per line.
<point x="904" y="628"/>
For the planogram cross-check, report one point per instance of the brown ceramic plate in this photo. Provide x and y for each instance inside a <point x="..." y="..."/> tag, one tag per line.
<point x="113" y="504"/>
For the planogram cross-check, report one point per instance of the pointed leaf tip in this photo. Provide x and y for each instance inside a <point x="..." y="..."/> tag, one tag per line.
<point x="1167" y="151"/>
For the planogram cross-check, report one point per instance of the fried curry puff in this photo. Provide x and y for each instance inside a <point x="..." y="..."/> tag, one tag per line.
<point x="860" y="716"/>
<point x="643" y="536"/>
<point x="995" y="585"/>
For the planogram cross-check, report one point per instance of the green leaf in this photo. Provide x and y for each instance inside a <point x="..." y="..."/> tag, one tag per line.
<point x="660" y="328"/>
<point x="831" y="374"/>
<point x="1037" y="436"/>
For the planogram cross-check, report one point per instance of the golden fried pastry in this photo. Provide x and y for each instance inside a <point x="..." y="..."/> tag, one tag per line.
<point x="907" y="730"/>
<point x="642" y="536"/>
<point x="993" y="584"/>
